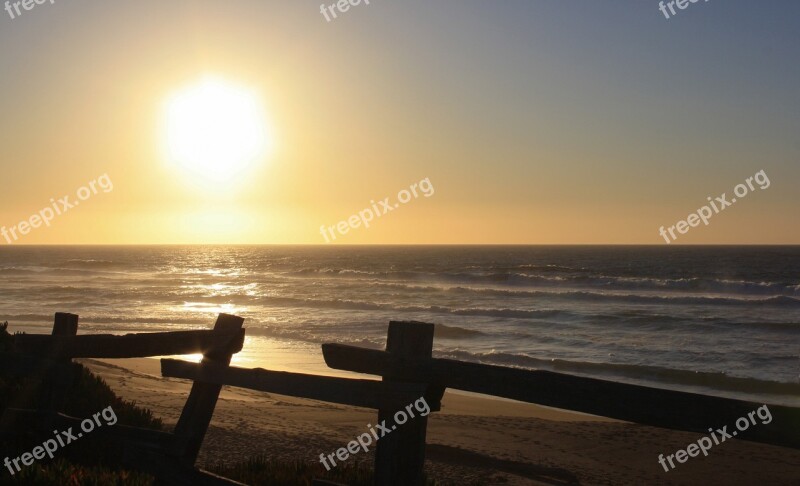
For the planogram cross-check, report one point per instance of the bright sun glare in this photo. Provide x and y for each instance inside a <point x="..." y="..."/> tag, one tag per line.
<point x="215" y="128"/>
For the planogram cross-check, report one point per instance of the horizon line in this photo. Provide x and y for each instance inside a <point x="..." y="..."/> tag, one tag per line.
<point x="391" y="244"/>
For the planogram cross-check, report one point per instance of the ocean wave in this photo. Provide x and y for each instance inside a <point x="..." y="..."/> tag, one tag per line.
<point x="97" y="321"/>
<point x="711" y="286"/>
<point x="22" y="270"/>
<point x="43" y="272"/>
<point x="375" y="339"/>
<point x="570" y="279"/>
<point x="85" y="262"/>
<point x="191" y="321"/>
<point x="516" y="313"/>
<point x="318" y="336"/>
<point x="360" y="305"/>
<point x="780" y="300"/>
<point x="599" y="296"/>
<point x="12" y="318"/>
<point x="455" y="332"/>
<point x="553" y="268"/>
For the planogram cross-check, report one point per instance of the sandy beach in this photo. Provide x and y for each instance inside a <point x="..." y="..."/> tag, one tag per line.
<point x="473" y="440"/>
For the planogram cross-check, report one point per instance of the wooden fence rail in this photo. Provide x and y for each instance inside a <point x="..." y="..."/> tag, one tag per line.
<point x="633" y="403"/>
<point x="130" y="345"/>
<point x="399" y="457"/>
<point x="344" y="391"/>
<point x="408" y="372"/>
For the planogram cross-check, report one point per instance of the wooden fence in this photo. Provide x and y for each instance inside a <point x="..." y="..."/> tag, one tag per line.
<point x="408" y="372"/>
<point x="168" y="456"/>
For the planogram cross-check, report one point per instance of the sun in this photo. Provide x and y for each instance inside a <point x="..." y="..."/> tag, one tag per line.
<point x="215" y="128"/>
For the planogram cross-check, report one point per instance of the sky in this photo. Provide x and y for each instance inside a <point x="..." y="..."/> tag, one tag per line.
<point x="536" y="122"/>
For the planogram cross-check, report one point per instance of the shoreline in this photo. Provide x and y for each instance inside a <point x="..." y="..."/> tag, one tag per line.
<point x="282" y="354"/>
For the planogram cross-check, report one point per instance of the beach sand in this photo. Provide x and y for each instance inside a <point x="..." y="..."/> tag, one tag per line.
<point x="473" y="440"/>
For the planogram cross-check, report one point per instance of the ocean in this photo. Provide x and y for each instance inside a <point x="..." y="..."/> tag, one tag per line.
<point x="720" y="320"/>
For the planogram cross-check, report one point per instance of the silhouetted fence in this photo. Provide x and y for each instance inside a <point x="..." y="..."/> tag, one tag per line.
<point x="168" y="456"/>
<point x="408" y="372"/>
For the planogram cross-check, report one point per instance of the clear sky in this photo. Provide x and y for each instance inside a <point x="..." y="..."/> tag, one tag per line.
<point x="536" y="121"/>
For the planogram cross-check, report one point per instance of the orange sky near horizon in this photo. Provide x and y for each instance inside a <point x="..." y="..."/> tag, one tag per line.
<point x="527" y="137"/>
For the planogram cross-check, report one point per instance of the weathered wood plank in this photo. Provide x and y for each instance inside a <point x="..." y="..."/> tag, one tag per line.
<point x="48" y="379"/>
<point x="346" y="391"/>
<point x="65" y="324"/>
<point x="400" y="457"/>
<point x="61" y="374"/>
<point x="130" y="345"/>
<point x="644" y="405"/>
<point x="199" y="408"/>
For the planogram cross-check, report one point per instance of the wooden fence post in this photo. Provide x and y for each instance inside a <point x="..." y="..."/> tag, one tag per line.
<point x="60" y="376"/>
<point x="65" y="324"/>
<point x="400" y="455"/>
<point x="199" y="408"/>
<point x="49" y="381"/>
